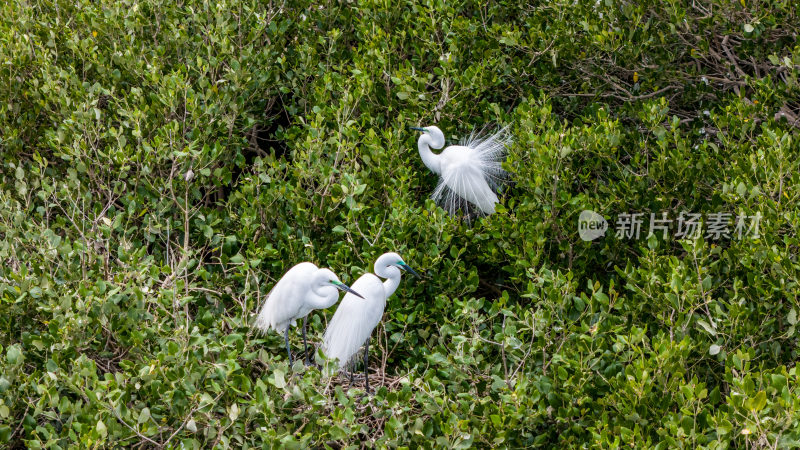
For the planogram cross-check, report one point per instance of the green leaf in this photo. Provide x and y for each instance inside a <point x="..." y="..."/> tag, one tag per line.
<point x="705" y="325"/>
<point x="233" y="412"/>
<point x="601" y="297"/>
<point x="759" y="401"/>
<point x="144" y="416"/>
<point x="278" y="379"/>
<point x="724" y="427"/>
<point x="14" y="355"/>
<point x="101" y="429"/>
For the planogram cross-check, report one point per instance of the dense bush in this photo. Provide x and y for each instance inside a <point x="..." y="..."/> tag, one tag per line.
<point x="127" y="285"/>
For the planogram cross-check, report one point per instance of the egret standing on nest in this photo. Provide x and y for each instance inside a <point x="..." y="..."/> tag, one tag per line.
<point x="469" y="173"/>
<point x="354" y="320"/>
<point x="305" y="287"/>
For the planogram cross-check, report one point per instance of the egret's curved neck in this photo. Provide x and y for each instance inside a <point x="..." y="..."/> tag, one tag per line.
<point x="323" y="297"/>
<point x="391" y="283"/>
<point x="430" y="159"/>
<point x="392" y="275"/>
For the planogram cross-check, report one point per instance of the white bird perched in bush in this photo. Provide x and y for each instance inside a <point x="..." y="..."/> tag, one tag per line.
<point x="305" y="287"/>
<point x="354" y="320"/>
<point x="469" y="173"/>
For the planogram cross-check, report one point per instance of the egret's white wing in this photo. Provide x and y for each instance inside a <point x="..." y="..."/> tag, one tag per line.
<point x="285" y="302"/>
<point x="354" y="320"/>
<point x="466" y="179"/>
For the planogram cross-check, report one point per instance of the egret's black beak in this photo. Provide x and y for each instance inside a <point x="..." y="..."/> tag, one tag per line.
<point x="346" y="288"/>
<point x="417" y="128"/>
<point x="408" y="268"/>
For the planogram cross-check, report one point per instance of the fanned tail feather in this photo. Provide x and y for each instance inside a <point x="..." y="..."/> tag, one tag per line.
<point x="491" y="151"/>
<point x="450" y="201"/>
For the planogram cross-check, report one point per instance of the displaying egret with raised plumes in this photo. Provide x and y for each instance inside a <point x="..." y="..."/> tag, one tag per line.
<point x="470" y="173"/>
<point x="354" y="320"/>
<point x="304" y="288"/>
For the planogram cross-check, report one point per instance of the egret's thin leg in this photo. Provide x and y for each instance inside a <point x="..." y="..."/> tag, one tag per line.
<point x="305" y="342"/>
<point x="288" y="350"/>
<point x="366" y="367"/>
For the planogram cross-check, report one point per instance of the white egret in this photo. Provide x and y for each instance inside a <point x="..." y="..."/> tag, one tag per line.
<point x="469" y="173"/>
<point x="305" y="287"/>
<point x="354" y="320"/>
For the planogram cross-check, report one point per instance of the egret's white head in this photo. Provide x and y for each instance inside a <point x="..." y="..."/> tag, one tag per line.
<point x="392" y="261"/>
<point x="325" y="278"/>
<point x="433" y="135"/>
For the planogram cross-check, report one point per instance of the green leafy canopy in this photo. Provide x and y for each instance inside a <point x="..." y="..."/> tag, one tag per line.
<point x="164" y="163"/>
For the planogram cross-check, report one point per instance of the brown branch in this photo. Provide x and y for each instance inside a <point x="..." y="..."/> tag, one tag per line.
<point x="731" y="57"/>
<point x="141" y="436"/>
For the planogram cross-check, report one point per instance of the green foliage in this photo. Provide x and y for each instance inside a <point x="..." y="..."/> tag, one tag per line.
<point x="163" y="165"/>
